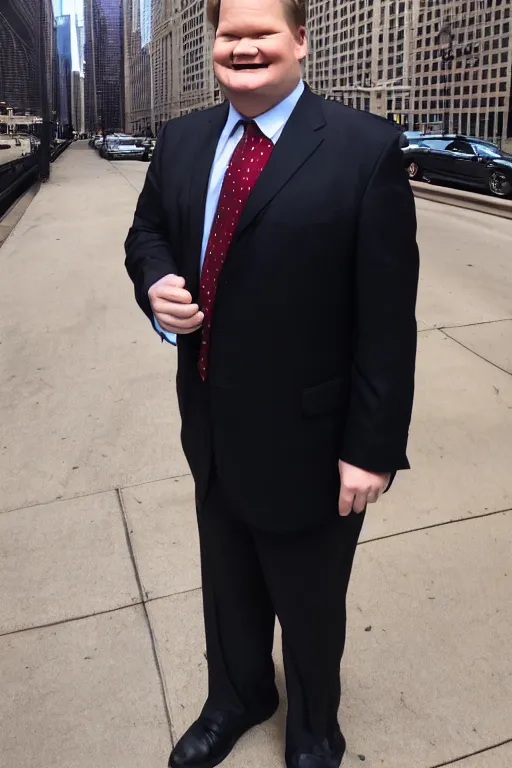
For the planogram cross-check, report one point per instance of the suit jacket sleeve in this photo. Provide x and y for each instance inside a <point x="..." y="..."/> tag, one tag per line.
<point x="384" y="344"/>
<point x="148" y="248"/>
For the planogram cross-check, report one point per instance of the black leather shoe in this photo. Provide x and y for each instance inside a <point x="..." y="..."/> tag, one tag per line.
<point x="211" y="738"/>
<point x="328" y="754"/>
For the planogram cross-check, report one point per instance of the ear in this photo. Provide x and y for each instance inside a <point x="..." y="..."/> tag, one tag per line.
<point x="302" y="43"/>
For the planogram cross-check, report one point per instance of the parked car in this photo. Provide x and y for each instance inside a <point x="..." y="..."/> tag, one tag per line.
<point x="457" y="159"/>
<point x="121" y="146"/>
<point x="149" y="148"/>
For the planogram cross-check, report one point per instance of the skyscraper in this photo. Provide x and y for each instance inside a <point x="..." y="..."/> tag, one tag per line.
<point x="64" y="110"/>
<point x="26" y="56"/>
<point x="80" y="41"/>
<point x="104" y="65"/>
<point x="182" y="72"/>
<point x="462" y="67"/>
<point x="77" y="101"/>
<point x="137" y="70"/>
<point x="360" y="52"/>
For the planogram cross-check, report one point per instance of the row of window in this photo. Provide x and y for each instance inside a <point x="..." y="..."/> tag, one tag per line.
<point x="457" y="90"/>
<point x="461" y="54"/>
<point x="459" y="103"/>
<point x="489" y="16"/>
<point x="498" y="29"/>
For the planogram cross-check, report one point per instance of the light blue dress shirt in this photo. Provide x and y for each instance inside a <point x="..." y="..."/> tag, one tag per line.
<point x="271" y="124"/>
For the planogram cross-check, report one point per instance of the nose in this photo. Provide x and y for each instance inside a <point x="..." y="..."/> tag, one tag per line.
<point x="245" y="47"/>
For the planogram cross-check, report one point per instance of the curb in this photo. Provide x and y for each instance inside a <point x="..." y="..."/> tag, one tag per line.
<point x="13" y="216"/>
<point x="462" y="199"/>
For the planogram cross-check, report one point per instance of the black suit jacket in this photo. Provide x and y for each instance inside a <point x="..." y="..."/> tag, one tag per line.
<point x="314" y="336"/>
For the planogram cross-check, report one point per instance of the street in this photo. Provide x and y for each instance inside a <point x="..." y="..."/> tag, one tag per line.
<point x="101" y="641"/>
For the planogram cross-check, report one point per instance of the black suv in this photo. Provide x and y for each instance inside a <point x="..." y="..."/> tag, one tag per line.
<point x="455" y="159"/>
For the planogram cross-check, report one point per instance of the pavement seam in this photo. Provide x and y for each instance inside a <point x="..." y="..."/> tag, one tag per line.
<point x="472" y="754"/>
<point x="70" y="619"/>
<point x="471" y="325"/>
<point x="464" y="346"/>
<point x="435" y="525"/>
<point x="119" y="171"/>
<point x="145" y="599"/>
<point x="143" y="595"/>
<point x="174" y="594"/>
<point x="112" y="489"/>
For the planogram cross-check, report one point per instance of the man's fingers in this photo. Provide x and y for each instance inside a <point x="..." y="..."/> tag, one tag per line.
<point x="171" y="293"/>
<point x="175" y="280"/>
<point x="346" y="501"/>
<point x="172" y="309"/>
<point x="171" y="288"/>
<point x="360" y="502"/>
<point x="174" y="324"/>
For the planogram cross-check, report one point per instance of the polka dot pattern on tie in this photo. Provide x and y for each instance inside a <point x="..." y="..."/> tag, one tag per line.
<point x="247" y="162"/>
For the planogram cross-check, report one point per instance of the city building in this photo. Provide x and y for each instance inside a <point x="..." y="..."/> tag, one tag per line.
<point x="181" y="59"/>
<point x="168" y="61"/>
<point x="27" y="57"/>
<point x="77" y="102"/>
<point x="64" y="118"/>
<point x="80" y="41"/>
<point x="462" y="67"/>
<point x="427" y="64"/>
<point x="360" y="53"/>
<point x="137" y="67"/>
<point x="104" y="65"/>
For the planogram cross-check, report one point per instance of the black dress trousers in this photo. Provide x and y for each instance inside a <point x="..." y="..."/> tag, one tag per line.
<point x="251" y="576"/>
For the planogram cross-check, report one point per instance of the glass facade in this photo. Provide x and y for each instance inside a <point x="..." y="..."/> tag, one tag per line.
<point x="26" y="39"/>
<point x="64" y="109"/>
<point x="104" y="65"/>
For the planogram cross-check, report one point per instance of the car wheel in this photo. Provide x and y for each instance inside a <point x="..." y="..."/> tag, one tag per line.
<point x="414" y="171"/>
<point x="499" y="185"/>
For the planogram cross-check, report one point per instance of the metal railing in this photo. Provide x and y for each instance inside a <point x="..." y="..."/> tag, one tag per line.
<point x="18" y="175"/>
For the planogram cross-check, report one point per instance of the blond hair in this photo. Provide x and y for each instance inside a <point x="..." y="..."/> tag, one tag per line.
<point x="295" y="11"/>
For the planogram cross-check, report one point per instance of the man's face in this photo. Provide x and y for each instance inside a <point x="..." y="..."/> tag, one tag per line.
<point x="256" y="49"/>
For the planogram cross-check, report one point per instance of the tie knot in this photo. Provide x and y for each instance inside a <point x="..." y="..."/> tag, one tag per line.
<point x="251" y="130"/>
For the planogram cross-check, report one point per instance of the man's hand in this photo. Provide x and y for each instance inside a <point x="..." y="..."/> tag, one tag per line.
<point x="172" y="305"/>
<point x="359" y="488"/>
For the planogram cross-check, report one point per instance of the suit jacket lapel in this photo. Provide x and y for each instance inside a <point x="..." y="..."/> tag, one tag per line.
<point x="200" y="175"/>
<point x="301" y="137"/>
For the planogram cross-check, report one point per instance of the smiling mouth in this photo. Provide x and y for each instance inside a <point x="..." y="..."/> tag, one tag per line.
<point x="241" y="67"/>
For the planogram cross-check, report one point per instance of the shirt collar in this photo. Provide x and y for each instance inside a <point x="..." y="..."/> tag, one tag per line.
<point x="271" y="122"/>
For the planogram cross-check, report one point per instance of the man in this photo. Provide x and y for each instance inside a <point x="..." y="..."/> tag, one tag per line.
<point x="275" y="236"/>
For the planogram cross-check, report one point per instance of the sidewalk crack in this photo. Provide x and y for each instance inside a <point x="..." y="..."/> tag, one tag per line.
<point x="144" y="598"/>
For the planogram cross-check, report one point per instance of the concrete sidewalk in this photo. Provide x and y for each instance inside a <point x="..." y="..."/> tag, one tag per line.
<point x="101" y="641"/>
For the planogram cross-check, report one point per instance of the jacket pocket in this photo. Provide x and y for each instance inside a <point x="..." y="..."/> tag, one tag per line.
<point x="331" y="396"/>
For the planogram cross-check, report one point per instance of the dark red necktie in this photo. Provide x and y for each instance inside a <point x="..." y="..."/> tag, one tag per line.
<point x="247" y="162"/>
